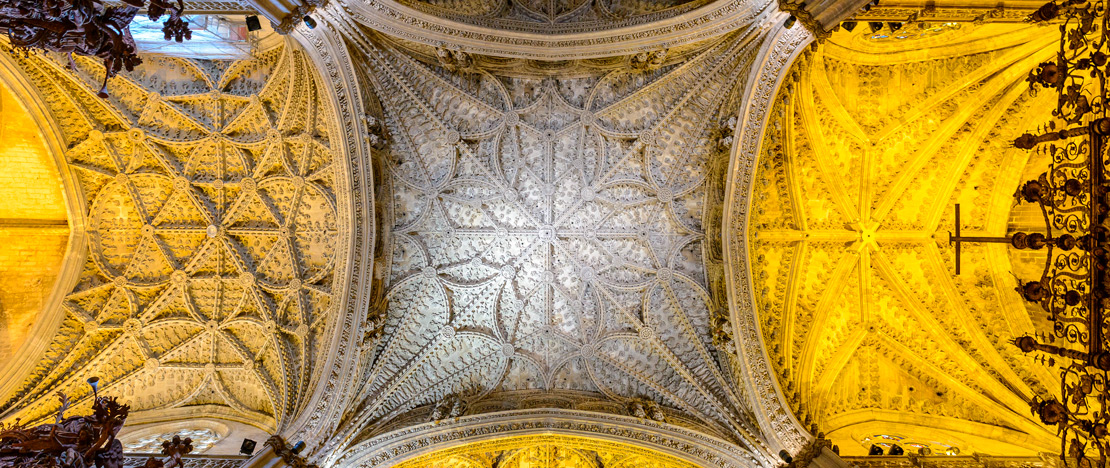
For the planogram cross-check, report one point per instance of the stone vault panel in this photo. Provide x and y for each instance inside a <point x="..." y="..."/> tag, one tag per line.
<point x="215" y="221"/>
<point x="547" y="236"/>
<point x="868" y="329"/>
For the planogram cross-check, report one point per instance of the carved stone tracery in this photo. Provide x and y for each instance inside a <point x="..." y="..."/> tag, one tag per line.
<point x="556" y="17"/>
<point x="218" y="227"/>
<point x="864" y="323"/>
<point x="478" y="266"/>
<point x="536" y="40"/>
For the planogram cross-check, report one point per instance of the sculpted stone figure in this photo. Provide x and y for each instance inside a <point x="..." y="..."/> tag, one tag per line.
<point x="648" y="61"/>
<point x="454" y="59"/>
<point x="646" y="409"/>
<point x="451" y="406"/>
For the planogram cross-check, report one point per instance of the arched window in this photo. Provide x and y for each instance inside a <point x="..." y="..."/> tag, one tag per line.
<point x="215" y="37"/>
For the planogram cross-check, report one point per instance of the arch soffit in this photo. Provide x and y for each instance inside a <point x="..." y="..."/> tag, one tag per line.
<point x="333" y="383"/>
<point x="396" y="19"/>
<point x="396" y="447"/>
<point x="14" y="371"/>
<point x="778" y="53"/>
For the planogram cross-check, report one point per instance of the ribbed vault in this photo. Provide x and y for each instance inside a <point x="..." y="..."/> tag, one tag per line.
<point x="868" y="148"/>
<point x="545" y="241"/>
<point x="217" y="221"/>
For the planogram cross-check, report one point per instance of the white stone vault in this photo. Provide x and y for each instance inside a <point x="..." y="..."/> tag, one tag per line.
<point x="547" y="239"/>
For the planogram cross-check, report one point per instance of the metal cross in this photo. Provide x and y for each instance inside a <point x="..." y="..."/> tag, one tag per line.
<point x="957" y="239"/>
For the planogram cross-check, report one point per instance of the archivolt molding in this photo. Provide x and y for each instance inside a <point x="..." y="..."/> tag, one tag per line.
<point x="537" y="42"/>
<point x="775" y="418"/>
<point x="50" y="318"/>
<point x="217" y="210"/>
<point x="396" y="447"/>
<point x="336" y="378"/>
<point x="521" y="67"/>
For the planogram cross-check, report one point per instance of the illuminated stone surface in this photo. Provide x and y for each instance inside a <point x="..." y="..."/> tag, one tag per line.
<point x="34" y="232"/>
<point x="214" y="226"/>
<point x="545" y="451"/>
<point x="869" y="330"/>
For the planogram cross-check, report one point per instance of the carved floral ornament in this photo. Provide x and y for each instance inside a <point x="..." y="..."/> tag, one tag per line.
<point x="217" y="219"/>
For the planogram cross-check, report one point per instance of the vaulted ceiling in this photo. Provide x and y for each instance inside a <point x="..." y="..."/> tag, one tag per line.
<point x="430" y="214"/>
<point x="545" y="237"/>
<point x="215" y="228"/>
<point x="870" y="146"/>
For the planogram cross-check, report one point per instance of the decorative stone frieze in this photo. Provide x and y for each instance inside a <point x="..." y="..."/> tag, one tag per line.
<point x="633" y="434"/>
<point x="537" y="40"/>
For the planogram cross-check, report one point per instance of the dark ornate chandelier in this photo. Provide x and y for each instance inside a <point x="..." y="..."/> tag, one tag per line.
<point x="80" y="441"/>
<point x="89" y="28"/>
<point x="1074" y="196"/>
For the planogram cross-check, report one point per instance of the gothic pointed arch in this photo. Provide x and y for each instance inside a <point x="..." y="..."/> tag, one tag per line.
<point x="57" y="207"/>
<point x="540" y="435"/>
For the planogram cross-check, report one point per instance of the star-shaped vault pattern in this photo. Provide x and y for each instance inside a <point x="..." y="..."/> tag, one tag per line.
<point x="869" y="329"/>
<point x="547" y="237"/>
<point x="213" y="227"/>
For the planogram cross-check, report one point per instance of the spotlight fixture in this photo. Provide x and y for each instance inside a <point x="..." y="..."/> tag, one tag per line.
<point x="790" y="22"/>
<point x="298" y="447"/>
<point x="785" y="456"/>
<point x="94" y="382"/>
<point x="875" y="26"/>
<point x="253" y="24"/>
<point x="248" y="447"/>
<point x="924" y="451"/>
<point x="896" y="450"/>
<point x="894" y="26"/>
<point x="848" y="25"/>
<point x="875" y="450"/>
<point x="308" y="21"/>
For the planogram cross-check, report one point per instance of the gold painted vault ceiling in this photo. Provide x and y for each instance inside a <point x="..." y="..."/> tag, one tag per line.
<point x="870" y="145"/>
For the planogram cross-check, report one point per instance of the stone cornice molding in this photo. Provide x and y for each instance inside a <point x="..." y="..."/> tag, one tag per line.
<point x="13" y="372"/>
<point x="395" y="447"/>
<point x="333" y="381"/>
<point x="782" y="429"/>
<point x="404" y="22"/>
